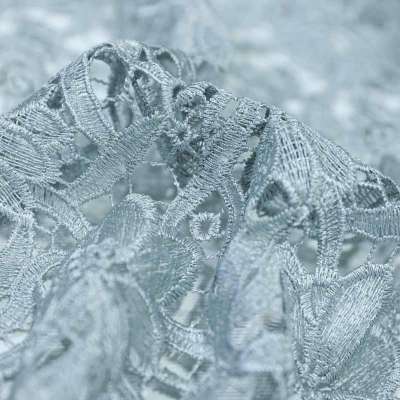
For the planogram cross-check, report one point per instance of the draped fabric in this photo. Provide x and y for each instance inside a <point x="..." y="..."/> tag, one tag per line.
<point x="163" y="238"/>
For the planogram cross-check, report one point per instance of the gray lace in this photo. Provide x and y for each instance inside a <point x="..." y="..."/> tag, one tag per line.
<point x="162" y="238"/>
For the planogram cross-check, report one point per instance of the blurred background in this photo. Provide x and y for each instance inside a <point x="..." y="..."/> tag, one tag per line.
<point x="333" y="65"/>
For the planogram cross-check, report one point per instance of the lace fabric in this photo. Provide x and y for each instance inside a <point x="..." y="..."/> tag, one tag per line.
<point x="162" y="238"/>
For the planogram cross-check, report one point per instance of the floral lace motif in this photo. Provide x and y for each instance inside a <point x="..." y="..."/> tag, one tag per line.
<point x="162" y="238"/>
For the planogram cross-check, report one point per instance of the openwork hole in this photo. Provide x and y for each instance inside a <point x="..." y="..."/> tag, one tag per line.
<point x="122" y="114"/>
<point x="156" y="181"/>
<point x="95" y="210"/>
<point x="244" y="172"/>
<point x="6" y="229"/>
<point x="84" y="147"/>
<point x="355" y="252"/>
<point x="64" y="239"/>
<point x="384" y="251"/>
<point x="166" y="61"/>
<point x="70" y="172"/>
<point x="176" y="90"/>
<point x="119" y="190"/>
<point x="273" y="201"/>
<point x="307" y="252"/>
<point x="100" y="73"/>
<point x="209" y="92"/>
